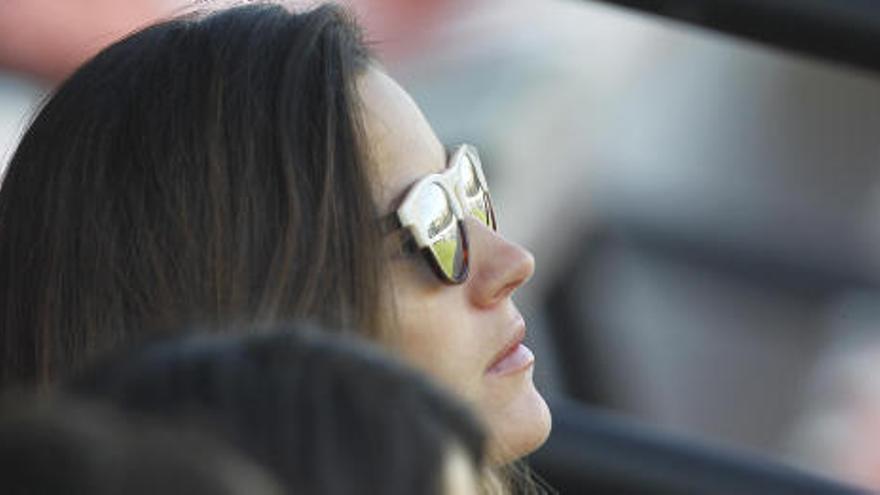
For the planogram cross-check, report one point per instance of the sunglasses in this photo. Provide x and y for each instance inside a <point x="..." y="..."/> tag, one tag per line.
<point x="433" y="210"/>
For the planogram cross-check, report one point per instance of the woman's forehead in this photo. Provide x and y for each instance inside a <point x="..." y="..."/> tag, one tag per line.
<point x="401" y="144"/>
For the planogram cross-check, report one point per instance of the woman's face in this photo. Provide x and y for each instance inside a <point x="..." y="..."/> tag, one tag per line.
<point x="467" y="335"/>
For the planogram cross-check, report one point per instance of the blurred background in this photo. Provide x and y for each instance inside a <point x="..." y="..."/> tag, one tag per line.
<point x="704" y="210"/>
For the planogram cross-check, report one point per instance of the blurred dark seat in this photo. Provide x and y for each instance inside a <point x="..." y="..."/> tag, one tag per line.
<point x="594" y="452"/>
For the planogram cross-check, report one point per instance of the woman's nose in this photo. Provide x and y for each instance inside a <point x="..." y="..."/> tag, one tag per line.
<point x="497" y="265"/>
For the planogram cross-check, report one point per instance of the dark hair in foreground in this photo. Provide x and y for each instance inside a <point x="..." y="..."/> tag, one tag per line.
<point x="203" y="170"/>
<point x="72" y="448"/>
<point x="326" y="415"/>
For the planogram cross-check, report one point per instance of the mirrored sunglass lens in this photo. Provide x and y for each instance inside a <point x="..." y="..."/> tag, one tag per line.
<point x="435" y="213"/>
<point x="488" y="212"/>
<point x="479" y="211"/>
<point x="477" y="197"/>
<point x="448" y="250"/>
<point x="469" y="178"/>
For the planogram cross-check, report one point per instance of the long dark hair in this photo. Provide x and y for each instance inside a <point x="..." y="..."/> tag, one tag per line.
<point x="206" y="169"/>
<point x="324" y="414"/>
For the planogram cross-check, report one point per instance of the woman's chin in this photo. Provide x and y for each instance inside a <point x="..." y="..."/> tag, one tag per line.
<point x="520" y="427"/>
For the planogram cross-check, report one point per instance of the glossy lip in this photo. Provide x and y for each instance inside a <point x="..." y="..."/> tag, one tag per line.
<point x="512" y="344"/>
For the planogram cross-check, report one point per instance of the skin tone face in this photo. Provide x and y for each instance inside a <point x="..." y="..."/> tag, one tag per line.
<point x="466" y="336"/>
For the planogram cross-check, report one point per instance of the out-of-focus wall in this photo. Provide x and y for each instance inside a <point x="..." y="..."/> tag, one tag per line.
<point x="42" y="41"/>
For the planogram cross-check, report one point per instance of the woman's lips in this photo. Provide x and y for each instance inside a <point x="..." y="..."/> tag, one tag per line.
<point x="516" y="359"/>
<point x="514" y="356"/>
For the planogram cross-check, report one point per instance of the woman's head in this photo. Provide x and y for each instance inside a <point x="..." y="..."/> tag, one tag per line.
<point x="234" y="167"/>
<point x="324" y="414"/>
<point x="205" y="169"/>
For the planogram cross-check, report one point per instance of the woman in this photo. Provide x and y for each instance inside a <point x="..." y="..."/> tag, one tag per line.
<point x="324" y="415"/>
<point x="256" y="164"/>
